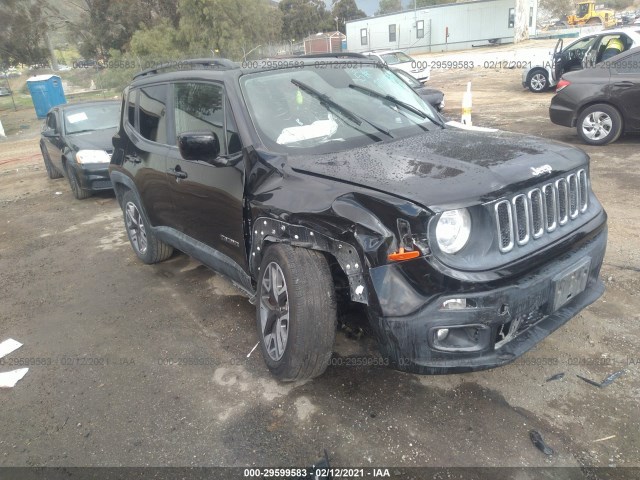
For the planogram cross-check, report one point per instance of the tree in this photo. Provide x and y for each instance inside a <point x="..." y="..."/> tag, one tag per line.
<point x="229" y="26"/>
<point x="389" y="6"/>
<point x="110" y="24"/>
<point x="303" y="17"/>
<point x="346" y="10"/>
<point x="160" y="42"/>
<point x="23" y="26"/>
<point x="521" y="25"/>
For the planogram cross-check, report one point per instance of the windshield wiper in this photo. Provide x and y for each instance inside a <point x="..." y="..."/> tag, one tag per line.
<point x="328" y="103"/>
<point x="395" y="101"/>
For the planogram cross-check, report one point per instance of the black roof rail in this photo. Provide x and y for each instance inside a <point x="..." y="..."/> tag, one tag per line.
<point x="206" y="63"/>
<point x="334" y="55"/>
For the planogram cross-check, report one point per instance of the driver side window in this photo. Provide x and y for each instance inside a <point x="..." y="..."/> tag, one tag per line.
<point x="51" y="122"/>
<point x="200" y="107"/>
<point x="580" y="47"/>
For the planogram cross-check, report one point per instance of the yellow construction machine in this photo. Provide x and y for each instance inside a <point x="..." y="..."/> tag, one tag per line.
<point x="587" y="13"/>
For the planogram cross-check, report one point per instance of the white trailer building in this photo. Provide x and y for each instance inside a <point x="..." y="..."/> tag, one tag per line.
<point x="440" y="28"/>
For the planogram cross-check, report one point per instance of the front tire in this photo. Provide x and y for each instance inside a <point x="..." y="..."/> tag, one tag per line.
<point x="538" y="81"/>
<point x="599" y="124"/>
<point x="74" y="183"/>
<point x="295" y="312"/>
<point x="147" y="246"/>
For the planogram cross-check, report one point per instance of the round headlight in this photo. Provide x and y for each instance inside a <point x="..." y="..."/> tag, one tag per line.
<point x="453" y="230"/>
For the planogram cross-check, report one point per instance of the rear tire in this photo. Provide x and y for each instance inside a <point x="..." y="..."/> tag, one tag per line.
<point x="51" y="170"/>
<point x="143" y="240"/>
<point x="538" y="81"/>
<point x="594" y="21"/>
<point x="295" y="312"/>
<point x="599" y="124"/>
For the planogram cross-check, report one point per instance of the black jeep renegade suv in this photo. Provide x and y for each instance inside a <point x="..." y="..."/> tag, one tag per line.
<point x="310" y="179"/>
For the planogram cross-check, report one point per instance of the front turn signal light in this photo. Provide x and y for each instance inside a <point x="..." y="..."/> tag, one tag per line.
<point x="402" y="254"/>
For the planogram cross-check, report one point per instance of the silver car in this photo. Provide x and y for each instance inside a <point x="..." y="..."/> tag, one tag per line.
<point x="398" y="60"/>
<point x="583" y="52"/>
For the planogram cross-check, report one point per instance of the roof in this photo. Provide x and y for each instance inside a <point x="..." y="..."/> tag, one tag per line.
<point x="251" y="66"/>
<point x="410" y="10"/>
<point x="381" y="52"/>
<point x="90" y="103"/>
<point x="41" y="78"/>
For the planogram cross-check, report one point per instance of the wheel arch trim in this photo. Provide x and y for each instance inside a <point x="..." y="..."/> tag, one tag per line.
<point x="269" y="230"/>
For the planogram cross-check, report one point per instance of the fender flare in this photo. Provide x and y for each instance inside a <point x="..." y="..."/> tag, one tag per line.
<point x="277" y="231"/>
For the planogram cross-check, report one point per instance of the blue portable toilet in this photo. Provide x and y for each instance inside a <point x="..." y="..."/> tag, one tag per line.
<point x="46" y="92"/>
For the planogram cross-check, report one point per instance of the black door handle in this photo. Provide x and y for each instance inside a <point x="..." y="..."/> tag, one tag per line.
<point x="626" y="83"/>
<point x="132" y="158"/>
<point x="177" y="172"/>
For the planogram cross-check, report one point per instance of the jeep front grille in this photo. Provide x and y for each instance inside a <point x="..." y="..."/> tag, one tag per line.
<point x="541" y="210"/>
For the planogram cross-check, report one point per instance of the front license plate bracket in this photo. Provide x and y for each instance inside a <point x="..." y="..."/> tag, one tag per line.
<point x="571" y="282"/>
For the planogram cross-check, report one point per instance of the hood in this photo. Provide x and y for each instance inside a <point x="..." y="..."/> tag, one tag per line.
<point x="447" y="168"/>
<point x="95" y="140"/>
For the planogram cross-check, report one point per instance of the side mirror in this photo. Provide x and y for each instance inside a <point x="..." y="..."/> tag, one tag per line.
<point x="203" y="146"/>
<point x="49" y="133"/>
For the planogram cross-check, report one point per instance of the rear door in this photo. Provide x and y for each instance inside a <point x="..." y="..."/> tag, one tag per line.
<point x="145" y="155"/>
<point x="208" y="199"/>
<point x="625" y="89"/>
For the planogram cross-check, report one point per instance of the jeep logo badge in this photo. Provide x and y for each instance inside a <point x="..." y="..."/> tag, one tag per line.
<point x="540" y="170"/>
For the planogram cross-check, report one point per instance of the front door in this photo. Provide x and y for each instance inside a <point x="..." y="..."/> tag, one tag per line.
<point x="53" y="143"/>
<point x="208" y="199"/>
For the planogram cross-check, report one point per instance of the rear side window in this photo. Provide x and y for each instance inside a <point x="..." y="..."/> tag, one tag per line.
<point x="200" y="107"/>
<point x="152" y="113"/>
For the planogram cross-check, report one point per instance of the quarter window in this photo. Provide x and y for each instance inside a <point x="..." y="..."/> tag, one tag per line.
<point x="152" y="113"/>
<point x="131" y="108"/>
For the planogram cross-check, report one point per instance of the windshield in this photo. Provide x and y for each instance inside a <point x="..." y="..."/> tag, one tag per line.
<point x="396" y="57"/>
<point x="91" y="117"/>
<point x="321" y="110"/>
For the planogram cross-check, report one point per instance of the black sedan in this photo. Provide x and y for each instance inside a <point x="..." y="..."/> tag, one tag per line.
<point x="76" y="143"/>
<point x="431" y="95"/>
<point x="603" y="101"/>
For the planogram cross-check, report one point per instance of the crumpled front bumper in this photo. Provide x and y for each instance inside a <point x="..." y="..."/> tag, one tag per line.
<point x="498" y="325"/>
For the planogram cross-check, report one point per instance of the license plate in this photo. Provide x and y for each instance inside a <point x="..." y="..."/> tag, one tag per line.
<point x="571" y="282"/>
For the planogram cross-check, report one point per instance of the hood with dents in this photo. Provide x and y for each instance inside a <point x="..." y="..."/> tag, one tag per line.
<point x="95" y="140"/>
<point x="447" y="168"/>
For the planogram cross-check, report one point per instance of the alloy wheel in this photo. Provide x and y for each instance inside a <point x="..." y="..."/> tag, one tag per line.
<point x="274" y="311"/>
<point x="538" y="82"/>
<point x="135" y="228"/>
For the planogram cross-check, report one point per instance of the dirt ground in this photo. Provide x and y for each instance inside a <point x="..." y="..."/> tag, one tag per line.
<point x="119" y="341"/>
